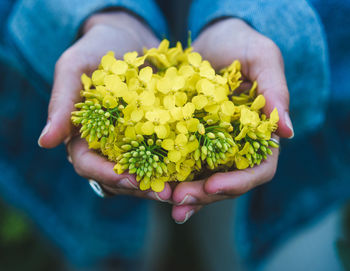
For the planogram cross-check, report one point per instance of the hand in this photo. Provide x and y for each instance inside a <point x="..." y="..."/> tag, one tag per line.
<point x="221" y="43"/>
<point x="117" y="31"/>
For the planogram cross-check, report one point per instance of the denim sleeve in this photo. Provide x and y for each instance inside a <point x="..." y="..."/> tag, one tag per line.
<point x="295" y="27"/>
<point x="42" y="29"/>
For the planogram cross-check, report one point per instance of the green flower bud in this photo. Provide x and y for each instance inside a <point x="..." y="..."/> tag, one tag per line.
<point x="196" y="154"/>
<point x="221" y="135"/>
<point x="210" y="135"/>
<point x="166" y="160"/>
<point x="201" y="129"/>
<point x="159" y="142"/>
<point x="123" y="160"/>
<point x="164" y="167"/>
<point x="134" y="143"/>
<point x="139" y="138"/>
<point x="159" y="170"/>
<point x="264" y="142"/>
<point x="218" y="144"/>
<point x="150" y="142"/>
<point x="132" y="170"/>
<point x="126" y="147"/>
<point x="256" y="145"/>
<point x="222" y="155"/>
<point x="210" y="163"/>
<point x="192" y="138"/>
<point x="127" y="154"/>
<point x="252" y="135"/>
<point x="273" y="144"/>
<point x="204" y="150"/>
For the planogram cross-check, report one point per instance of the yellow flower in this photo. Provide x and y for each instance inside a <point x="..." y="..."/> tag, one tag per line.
<point x="115" y="85"/>
<point x="157" y="184"/>
<point x="98" y="77"/>
<point x="241" y="162"/>
<point x="195" y="59"/>
<point x="184" y="169"/>
<point x="165" y="122"/>
<point x="233" y="74"/>
<point x="258" y="103"/>
<point x="157" y="122"/>
<point x="109" y="102"/>
<point x="86" y="81"/>
<point x="206" y="70"/>
<point x="249" y="118"/>
<point x="199" y="101"/>
<point x="132" y="59"/>
<point x="179" y="147"/>
<point x="228" y="108"/>
<point x="171" y="81"/>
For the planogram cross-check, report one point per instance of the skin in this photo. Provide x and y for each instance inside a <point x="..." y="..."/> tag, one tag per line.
<point x="117" y="31"/>
<point x="220" y="43"/>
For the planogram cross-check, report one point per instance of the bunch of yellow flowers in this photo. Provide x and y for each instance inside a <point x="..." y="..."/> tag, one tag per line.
<point x="174" y="118"/>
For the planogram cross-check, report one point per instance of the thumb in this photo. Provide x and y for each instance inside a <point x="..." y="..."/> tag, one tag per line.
<point x="268" y="70"/>
<point x="65" y="93"/>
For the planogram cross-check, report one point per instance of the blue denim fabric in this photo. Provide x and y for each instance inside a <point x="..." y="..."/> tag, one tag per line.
<point x="300" y="37"/>
<point x="312" y="174"/>
<point x="42" y="182"/>
<point x="43" y="29"/>
<point x="313" y="170"/>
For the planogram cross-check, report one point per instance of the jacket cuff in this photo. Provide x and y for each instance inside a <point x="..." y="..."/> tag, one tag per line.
<point x="43" y="29"/>
<point x="296" y="29"/>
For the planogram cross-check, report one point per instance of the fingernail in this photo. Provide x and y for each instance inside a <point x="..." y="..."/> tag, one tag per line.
<point x="289" y="124"/>
<point x="69" y="158"/>
<point x="159" y="198"/>
<point x="188" y="199"/>
<point x="126" y="183"/>
<point x="219" y="192"/>
<point x="44" y="132"/>
<point x="187" y="217"/>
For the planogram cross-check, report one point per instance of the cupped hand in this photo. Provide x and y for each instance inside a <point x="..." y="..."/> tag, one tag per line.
<point x="113" y="31"/>
<point x="221" y="43"/>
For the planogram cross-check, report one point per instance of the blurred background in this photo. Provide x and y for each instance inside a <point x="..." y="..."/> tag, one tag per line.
<point x="323" y="245"/>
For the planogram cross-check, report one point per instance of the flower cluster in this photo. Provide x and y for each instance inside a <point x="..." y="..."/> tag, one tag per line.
<point x="172" y="118"/>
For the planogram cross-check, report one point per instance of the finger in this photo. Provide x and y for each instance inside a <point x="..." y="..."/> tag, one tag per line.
<point x="238" y="182"/>
<point x="163" y="196"/>
<point x="65" y="93"/>
<point x="193" y="193"/>
<point x="90" y="165"/>
<point x="182" y="214"/>
<point x="267" y="68"/>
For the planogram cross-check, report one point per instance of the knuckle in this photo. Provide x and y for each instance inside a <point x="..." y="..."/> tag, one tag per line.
<point x="270" y="174"/>
<point x="69" y="60"/>
<point x="269" y="45"/>
<point x="271" y="49"/>
<point x="79" y="170"/>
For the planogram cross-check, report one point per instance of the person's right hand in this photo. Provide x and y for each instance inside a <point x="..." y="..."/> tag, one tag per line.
<point x="113" y="31"/>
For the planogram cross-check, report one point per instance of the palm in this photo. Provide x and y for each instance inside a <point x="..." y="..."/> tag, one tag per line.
<point x="84" y="57"/>
<point x="221" y="44"/>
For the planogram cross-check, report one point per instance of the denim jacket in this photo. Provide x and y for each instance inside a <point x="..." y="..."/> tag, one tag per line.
<point x="312" y="170"/>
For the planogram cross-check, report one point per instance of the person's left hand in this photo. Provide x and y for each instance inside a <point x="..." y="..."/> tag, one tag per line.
<point x="221" y="44"/>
